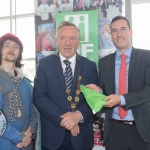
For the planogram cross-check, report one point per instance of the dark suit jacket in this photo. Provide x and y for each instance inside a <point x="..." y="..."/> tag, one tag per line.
<point x="138" y="96"/>
<point x="50" y="98"/>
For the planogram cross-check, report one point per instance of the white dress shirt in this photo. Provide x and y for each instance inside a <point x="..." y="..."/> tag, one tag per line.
<point x="72" y="65"/>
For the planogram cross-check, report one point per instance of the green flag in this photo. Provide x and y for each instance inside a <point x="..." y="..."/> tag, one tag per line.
<point x="94" y="99"/>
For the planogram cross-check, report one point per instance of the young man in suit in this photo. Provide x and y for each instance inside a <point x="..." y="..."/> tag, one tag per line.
<point x="66" y="119"/>
<point x="126" y="82"/>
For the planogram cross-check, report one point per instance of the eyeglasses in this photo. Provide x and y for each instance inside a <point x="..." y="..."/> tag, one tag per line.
<point x="8" y="46"/>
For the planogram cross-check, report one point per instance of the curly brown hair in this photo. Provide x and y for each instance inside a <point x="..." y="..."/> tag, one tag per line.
<point x="19" y="59"/>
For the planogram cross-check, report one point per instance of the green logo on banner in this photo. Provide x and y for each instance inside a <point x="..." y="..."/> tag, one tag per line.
<point x="45" y="9"/>
<point x="87" y="22"/>
<point x="64" y="8"/>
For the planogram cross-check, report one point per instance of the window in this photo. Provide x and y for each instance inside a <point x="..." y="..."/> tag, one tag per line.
<point x="26" y="32"/>
<point x="4" y="8"/>
<point x="5" y="25"/>
<point x="20" y="21"/>
<point x="141" y="25"/>
<point x="24" y="6"/>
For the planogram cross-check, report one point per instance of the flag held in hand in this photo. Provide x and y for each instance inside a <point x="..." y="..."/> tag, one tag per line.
<point x="94" y="99"/>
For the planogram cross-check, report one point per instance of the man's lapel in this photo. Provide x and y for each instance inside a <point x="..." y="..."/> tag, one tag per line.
<point x="77" y="72"/>
<point x="59" y="71"/>
<point x="133" y="59"/>
<point x="112" y="72"/>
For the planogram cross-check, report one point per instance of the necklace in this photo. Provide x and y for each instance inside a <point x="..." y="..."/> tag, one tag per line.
<point x="69" y="98"/>
<point x="13" y="97"/>
<point x="76" y="99"/>
<point x="17" y="103"/>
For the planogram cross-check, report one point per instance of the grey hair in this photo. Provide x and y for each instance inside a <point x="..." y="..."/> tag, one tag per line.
<point x="67" y="23"/>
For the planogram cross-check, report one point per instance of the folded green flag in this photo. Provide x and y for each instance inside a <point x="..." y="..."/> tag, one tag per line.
<point x="94" y="99"/>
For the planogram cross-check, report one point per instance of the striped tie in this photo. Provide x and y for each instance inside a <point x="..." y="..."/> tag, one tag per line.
<point x="68" y="74"/>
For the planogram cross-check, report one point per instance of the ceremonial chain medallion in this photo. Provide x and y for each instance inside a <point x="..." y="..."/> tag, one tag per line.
<point x="17" y="103"/>
<point x="76" y="99"/>
<point x="3" y="123"/>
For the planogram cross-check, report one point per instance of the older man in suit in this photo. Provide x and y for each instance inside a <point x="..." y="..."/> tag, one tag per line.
<point x="66" y="119"/>
<point x="125" y="79"/>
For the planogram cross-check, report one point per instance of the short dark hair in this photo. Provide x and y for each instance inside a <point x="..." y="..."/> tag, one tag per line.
<point x="67" y="23"/>
<point x="18" y="61"/>
<point x="119" y="18"/>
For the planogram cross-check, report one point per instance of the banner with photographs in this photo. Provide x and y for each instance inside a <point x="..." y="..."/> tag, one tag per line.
<point x="88" y="26"/>
<point x="93" y="18"/>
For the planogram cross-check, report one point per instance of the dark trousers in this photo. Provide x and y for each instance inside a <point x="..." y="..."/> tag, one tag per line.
<point x="66" y="145"/>
<point x="104" y="13"/>
<point x="58" y="149"/>
<point x="125" y="137"/>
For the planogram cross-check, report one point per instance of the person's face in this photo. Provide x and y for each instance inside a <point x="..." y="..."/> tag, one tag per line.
<point x="54" y="1"/>
<point x="106" y="28"/>
<point x="46" y="29"/>
<point x="121" y="35"/>
<point x="43" y="1"/>
<point x="65" y="1"/>
<point x="10" y="51"/>
<point x="68" y="41"/>
<point x="96" y="128"/>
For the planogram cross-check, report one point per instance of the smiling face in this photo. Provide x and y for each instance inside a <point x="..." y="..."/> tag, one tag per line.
<point x="10" y="51"/>
<point x="121" y="35"/>
<point x="68" y="41"/>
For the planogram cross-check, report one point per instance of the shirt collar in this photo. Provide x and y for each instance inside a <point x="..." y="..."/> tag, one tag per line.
<point x="128" y="53"/>
<point x="72" y="59"/>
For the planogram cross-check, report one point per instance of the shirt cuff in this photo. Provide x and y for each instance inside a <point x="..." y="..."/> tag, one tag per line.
<point x="82" y="120"/>
<point x="101" y="91"/>
<point x="123" y="102"/>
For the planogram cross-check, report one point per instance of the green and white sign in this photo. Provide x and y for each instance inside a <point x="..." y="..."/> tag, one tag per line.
<point x="87" y="22"/>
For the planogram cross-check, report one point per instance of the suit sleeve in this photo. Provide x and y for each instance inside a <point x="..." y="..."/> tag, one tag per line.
<point x="84" y="108"/>
<point x="12" y="134"/>
<point x="101" y="81"/>
<point x="43" y="103"/>
<point x="141" y="95"/>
